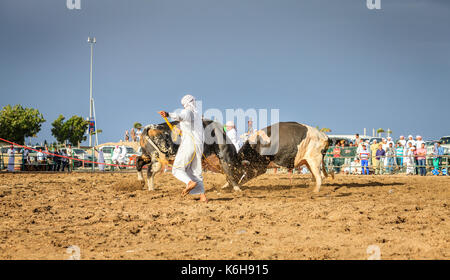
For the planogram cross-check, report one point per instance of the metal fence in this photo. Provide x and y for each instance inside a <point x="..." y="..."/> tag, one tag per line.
<point x="347" y="161"/>
<point x="48" y="163"/>
<point x="344" y="163"/>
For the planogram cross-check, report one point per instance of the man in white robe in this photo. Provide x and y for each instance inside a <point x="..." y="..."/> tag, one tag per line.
<point x="116" y="155"/>
<point x="402" y="141"/>
<point x="232" y="135"/>
<point x="123" y="155"/>
<point x="187" y="166"/>
<point x="419" y="141"/>
<point x="410" y="140"/>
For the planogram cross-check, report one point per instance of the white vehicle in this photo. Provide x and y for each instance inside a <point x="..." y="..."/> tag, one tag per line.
<point x="348" y="137"/>
<point x="108" y="152"/>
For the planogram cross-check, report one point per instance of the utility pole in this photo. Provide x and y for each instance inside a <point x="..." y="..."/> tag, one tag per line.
<point x="91" y="41"/>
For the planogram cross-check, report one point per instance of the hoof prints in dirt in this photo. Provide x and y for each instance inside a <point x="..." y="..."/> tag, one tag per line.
<point x="112" y="216"/>
<point x="128" y="185"/>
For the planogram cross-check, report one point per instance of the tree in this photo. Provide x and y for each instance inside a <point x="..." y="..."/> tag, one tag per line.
<point x="325" y="129"/>
<point x="73" y="130"/>
<point x="58" y="130"/>
<point x="17" y="123"/>
<point x="379" y="131"/>
<point x="76" y="128"/>
<point x="389" y="132"/>
<point x="137" y="125"/>
<point x="98" y="131"/>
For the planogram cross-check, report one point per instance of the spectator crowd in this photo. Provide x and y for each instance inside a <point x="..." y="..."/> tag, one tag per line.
<point x="408" y="156"/>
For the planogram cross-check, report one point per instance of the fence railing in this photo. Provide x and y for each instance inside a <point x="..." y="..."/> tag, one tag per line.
<point x="345" y="163"/>
<point x="55" y="164"/>
<point x="397" y="164"/>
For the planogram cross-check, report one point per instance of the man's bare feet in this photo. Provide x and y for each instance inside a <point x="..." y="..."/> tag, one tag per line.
<point x="190" y="186"/>
<point x="203" y="198"/>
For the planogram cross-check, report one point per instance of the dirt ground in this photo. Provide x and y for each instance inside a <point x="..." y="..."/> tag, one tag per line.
<point x="110" y="216"/>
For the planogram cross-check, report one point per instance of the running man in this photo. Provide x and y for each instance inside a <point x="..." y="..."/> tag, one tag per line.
<point x="187" y="166"/>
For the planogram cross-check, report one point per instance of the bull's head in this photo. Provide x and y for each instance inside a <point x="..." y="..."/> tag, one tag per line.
<point x="162" y="138"/>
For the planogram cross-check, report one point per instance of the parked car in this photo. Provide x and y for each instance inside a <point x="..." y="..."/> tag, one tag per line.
<point x="84" y="155"/>
<point x="108" y="152"/>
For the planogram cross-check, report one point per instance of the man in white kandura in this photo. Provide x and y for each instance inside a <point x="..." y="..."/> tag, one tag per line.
<point x="232" y="134"/>
<point x="123" y="155"/>
<point x="115" y="155"/>
<point x="187" y="166"/>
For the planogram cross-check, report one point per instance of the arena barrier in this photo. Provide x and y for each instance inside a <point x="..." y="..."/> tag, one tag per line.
<point x="344" y="163"/>
<point x="51" y="162"/>
<point x="396" y="164"/>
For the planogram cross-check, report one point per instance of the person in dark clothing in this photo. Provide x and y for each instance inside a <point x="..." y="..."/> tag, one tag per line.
<point x="380" y="155"/>
<point x="25" y="159"/>
<point x="64" y="161"/>
<point x="57" y="161"/>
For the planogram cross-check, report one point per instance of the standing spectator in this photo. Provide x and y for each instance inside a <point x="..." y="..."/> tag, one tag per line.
<point x="133" y="135"/>
<point x="70" y="155"/>
<point x="101" y="160"/>
<point x="115" y="156"/>
<point x="358" y="139"/>
<point x="409" y="159"/>
<point x="410" y="140"/>
<point x="25" y="159"/>
<point x="373" y="151"/>
<point x="123" y="156"/>
<point x="336" y="158"/>
<point x="390" y="156"/>
<point x="50" y="162"/>
<point x="64" y="161"/>
<point x="10" y="153"/>
<point x="402" y="141"/>
<point x="399" y="153"/>
<point x="138" y="134"/>
<point x="232" y="135"/>
<point x="364" y="156"/>
<point x="385" y="145"/>
<point x="41" y="160"/>
<point x="389" y="140"/>
<point x="380" y="154"/>
<point x="419" y="142"/>
<point x="438" y="152"/>
<point x="127" y="136"/>
<point x="57" y="160"/>
<point x="421" y="159"/>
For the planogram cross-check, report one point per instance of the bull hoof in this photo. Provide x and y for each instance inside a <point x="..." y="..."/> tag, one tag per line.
<point x="237" y="189"/>
<point x="151" y="188"/>
<point x="316" y="190"/>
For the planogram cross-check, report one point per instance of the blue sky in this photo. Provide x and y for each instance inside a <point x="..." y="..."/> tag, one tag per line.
<point x="329" y="63"/>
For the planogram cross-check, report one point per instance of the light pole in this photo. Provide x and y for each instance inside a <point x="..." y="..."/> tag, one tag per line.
<point x="91" y="41"/>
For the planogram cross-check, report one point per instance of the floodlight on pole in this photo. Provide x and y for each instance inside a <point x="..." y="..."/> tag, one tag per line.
<point x="91" y="41"/>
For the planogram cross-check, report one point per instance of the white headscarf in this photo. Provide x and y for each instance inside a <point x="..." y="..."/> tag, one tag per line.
<point x="188" y="102"/>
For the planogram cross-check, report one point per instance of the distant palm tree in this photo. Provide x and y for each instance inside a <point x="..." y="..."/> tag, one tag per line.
<point x="137" y="125"/>
<point x="98" y="131"/>
<point x="379" y="131"/>
<point x="389" y="132"/>
<point x="325" y="129"/>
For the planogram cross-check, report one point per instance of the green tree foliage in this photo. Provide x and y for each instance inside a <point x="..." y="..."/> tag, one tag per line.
<point x="380" y="130"/>
<point x="73" y="130"/>
<point x="137" y="125"/>
<point x="17" y="122"/>
<point x="58" y="130"/>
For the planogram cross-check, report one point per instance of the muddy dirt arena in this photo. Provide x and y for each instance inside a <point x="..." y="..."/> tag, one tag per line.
<point x="110" y="216"/>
